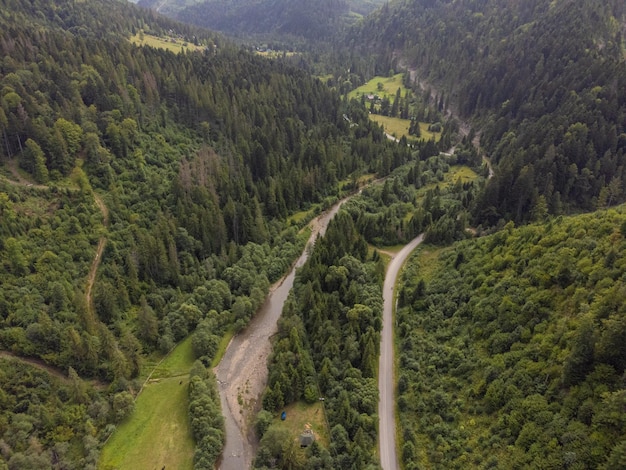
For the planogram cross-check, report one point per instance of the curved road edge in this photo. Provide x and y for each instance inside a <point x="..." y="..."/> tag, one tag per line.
<point x="386" y="380"/>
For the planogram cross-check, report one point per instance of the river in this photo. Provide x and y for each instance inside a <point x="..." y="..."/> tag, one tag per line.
<point x="242" y="372"/>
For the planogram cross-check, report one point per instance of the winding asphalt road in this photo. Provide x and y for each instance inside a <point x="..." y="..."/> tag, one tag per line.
<point x="386" y="381"/>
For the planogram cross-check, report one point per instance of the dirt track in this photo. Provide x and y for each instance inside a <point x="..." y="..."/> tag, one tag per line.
<point x="242" y="372"/>
<point x="91" y="278"/>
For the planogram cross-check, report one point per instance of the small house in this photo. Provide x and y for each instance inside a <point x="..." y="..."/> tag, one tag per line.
<point x="307" y="438"/>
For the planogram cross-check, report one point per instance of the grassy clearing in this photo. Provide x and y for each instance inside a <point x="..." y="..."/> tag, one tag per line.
<point x="366" y="179"/>
<point x="275" y="54"/>
<point x="394" y="126"/>
<point x="428" y="260"/>
<point x="171" y="44"/>
<point x="390" y="86"/>
<point x="451" y="177"/>
<point x="297" y="217"/>
<point x="157" y="434"/>
<point x="464" y="172"/>
<point x="178" y="362"/>
<point x="299" y="416"/>
<point x="426" y="134"/>
<point x="398" y="127"/>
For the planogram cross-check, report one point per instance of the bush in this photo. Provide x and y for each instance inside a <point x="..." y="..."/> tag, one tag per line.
<point x="123" y="406"/>
<point x="263" y="421"/>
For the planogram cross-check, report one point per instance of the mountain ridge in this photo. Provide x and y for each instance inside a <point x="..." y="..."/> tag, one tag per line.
<point x="506" y="66"/>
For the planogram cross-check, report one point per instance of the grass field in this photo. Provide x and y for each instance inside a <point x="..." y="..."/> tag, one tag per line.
<point x="325" y="78"/>
<point x="457" y="171"/>
<point x="428" y="259"/>
<point x="390" y="87"/>
<point x="171" y="44"/>
<point x="298" y="217"/>
<point x="157" y="434"/>
<point x="400" y="127"/>
<point x="393" y="126"/>
<point x="299" y="416"/>
<point x="276" y="54"/>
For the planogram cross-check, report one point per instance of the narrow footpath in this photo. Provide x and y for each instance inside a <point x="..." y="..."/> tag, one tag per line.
<point x="91" y="278"/>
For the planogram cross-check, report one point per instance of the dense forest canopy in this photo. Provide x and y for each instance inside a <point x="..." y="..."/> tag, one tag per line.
<point x="282" y="21"/>
<point x="144" y="195"/>
<point x="182" y="168"/>
<point x="543" y="81"/>
<point x="512" y="349"/>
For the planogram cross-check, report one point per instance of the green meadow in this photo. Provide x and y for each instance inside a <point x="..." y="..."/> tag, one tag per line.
<point x="170" y="44"/>
<point x="394" y="126"/>
<point x="157" y="434"/>
<point x="390" y="86"/>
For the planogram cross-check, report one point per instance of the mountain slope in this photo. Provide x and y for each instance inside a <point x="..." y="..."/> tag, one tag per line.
<point x="316" y="21"/>
<point x="512" y="349"/>
<point x="544" y="82"/>
<point x="199" y="158"/>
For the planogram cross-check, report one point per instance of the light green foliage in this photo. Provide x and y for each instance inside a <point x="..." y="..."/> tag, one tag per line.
<point x="512" y="350"/>
<point x="123" y="405"/>
<point x="430" y="196"/>
<point x="207" y="423"/>
<point x="64" y="425"/>
<point x="36" y="161"/>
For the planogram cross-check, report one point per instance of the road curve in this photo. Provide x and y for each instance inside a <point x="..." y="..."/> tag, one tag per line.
<point x="386" y="382"/>
<point x="242" y="372"/>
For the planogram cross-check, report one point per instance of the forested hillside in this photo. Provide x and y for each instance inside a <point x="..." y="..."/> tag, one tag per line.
<point x="544" y="82"/>
<point x="289" y="21"/>
<point x="182" y="167"/>
<point x="513" y="349"/>
<point x="332" y="326"/>
<point x="296" y="18"/>
<point x="329" y="335"/>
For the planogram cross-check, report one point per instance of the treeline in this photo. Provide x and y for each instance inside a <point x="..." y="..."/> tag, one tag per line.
<point x="292" y="24"/>
<point x="98" y="20"/>
<point x="512" y="349"/>
<point x="198" y="158"/>
<point x="328" y="343"/>
<point x="207" y="422"/>
<point x="415" y="198"/>
<point x="544" y="82"/>
<point x="298" y="19"/>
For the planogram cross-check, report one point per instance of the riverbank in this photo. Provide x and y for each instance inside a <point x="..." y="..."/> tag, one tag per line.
<point x="242" y="372"/>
